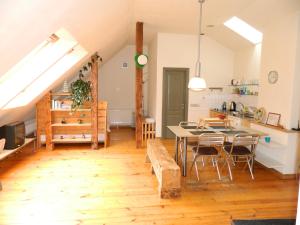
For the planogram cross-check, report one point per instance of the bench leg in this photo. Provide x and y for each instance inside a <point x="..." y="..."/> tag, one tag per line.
<point x="147" y="160"/>
<point x="152" y="170"/>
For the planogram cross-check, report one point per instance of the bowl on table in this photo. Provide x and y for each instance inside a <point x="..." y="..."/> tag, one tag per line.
<point x="222" y="117"/>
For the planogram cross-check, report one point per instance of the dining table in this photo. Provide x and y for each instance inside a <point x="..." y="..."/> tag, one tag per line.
<point x="185" y="132"/>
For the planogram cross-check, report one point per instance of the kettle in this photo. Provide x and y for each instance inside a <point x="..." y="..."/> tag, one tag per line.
<point x="232" y="106"/>
<point x="224" y="106"/>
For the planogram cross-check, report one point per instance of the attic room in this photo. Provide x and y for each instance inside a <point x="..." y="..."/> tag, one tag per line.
<point x="150" y="112"/>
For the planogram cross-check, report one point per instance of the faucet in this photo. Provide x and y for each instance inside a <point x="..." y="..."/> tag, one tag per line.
<point x="242" y="111"/>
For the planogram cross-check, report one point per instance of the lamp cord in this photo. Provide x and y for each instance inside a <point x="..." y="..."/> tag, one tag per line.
<point x="198" y="64"/>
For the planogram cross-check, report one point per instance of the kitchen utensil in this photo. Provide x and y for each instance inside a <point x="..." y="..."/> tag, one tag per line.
<point x="224" y="106"/>
<point x="232" y="106"/>
<point x="259" y="114"/>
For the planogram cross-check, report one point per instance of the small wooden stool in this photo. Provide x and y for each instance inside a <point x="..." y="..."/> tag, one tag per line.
<point x="148" y="131"/>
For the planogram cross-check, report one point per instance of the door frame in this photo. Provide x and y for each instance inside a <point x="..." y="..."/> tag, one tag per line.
<point x="187" y="73"/>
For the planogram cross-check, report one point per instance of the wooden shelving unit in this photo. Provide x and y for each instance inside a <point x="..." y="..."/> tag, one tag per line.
<point x="49" y="123"/>
<point x="59" y="124"/>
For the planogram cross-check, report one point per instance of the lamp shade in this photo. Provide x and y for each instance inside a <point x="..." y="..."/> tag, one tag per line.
<point x="197" y="84"/>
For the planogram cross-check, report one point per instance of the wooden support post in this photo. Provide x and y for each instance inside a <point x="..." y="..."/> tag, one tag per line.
<point x="43" y="121"/>
<point x="138" y="87"/>
<point x="48" y="127"/>
<point x="94" y="106"/>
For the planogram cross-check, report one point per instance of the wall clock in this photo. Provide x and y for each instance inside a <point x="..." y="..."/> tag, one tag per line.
<point x="141" y="60"/>
<point x="273" y="77"/>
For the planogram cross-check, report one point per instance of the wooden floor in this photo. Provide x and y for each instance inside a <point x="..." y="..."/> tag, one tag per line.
<point x="75" y="185"/>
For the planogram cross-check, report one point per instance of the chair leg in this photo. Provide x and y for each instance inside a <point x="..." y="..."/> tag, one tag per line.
<point x="217" y="166"/>
<point x="202" y="161"/>
<point x="250" y="168"/>
<point x="196" y="166"/>
<point x="213" y="161"/>
<point x="180" y="149"/>
<point x="229" y="169"/>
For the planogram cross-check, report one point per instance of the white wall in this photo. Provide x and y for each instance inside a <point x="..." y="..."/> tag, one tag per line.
<point x="296" y="95"/>
<point x="152" y="78"/>
<point x="279" y="53"/>
<point x="180" y="51"/>
<point x="247" y="63"/>
<point x="117" y="86"/>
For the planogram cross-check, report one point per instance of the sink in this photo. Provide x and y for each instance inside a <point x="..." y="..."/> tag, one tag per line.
<point x="234" y="132"/>
<point x="198" y="132"/>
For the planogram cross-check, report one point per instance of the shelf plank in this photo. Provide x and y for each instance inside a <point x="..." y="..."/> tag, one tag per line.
<point x="243" y="85"/>
<point x="71" y="140"/>
<point x="61" y="94"/>
<point x="69" y="110"/>
<point x="71" y="124"/>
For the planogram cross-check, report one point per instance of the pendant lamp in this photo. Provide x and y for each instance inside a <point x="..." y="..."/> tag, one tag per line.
<point x="197" y="83"/>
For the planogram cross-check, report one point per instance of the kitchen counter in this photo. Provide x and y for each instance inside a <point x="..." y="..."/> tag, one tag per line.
<point x="280" y="153"/>
<point x="232" y="113"/>
<point x="246" y="121"/>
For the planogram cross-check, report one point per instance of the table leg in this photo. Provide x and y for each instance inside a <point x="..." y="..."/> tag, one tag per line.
<point x="184" y="164"/>
<point x="176" y="149"/>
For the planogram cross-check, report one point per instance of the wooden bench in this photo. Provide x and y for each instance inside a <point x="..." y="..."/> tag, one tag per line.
<point x="165" y="169"/>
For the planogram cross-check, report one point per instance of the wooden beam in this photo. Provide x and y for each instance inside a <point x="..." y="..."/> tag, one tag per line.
<point x="94" y="106"/>
<point x="48" y="127"/>
<point x="138" y="87"/>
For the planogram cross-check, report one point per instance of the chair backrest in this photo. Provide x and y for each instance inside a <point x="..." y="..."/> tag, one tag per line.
<point x="213" y="122"/>
<point x="209" y="139"/>
<point x="2" y="144"/>
<point x="245" y="140"/>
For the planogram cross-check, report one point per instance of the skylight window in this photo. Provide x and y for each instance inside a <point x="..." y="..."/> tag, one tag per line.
<point x="47" y="78"/>
<point x="244" y="29"/>
<point x="39" y="69"/>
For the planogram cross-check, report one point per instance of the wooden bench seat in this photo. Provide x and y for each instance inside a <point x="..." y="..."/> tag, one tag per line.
<point x="165" y="169"/>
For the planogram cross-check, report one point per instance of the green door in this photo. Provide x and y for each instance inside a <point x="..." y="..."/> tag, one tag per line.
<point x="175" y="98"/>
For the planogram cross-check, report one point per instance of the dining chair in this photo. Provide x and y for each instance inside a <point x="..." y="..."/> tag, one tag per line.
<point x="241" y="149"/>
<point x="208" y="145"/>
<point x="190" y="141"/>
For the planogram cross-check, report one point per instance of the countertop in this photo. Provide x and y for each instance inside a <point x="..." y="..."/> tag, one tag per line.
<point x="232" y="113"/>
<point x="252" y="120"/>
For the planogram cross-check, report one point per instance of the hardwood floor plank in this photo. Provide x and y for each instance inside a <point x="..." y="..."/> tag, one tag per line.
<point x="74" y="185"/>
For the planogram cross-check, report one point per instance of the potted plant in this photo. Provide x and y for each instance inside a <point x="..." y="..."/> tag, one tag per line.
<point x="80" y="92"/>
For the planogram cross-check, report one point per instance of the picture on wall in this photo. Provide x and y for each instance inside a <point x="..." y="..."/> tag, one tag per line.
<point x="273" y="119"/>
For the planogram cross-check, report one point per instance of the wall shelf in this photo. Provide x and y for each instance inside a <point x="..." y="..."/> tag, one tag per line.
<point x="244" y="94"/>
<point x="243" y="85"/>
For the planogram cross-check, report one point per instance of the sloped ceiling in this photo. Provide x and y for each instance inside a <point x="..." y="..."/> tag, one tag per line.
<point x="107" y="25"/>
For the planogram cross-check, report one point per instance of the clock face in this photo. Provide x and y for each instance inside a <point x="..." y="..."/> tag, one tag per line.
<point x="273" y="77"/>
<point x="142" y="60"/>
